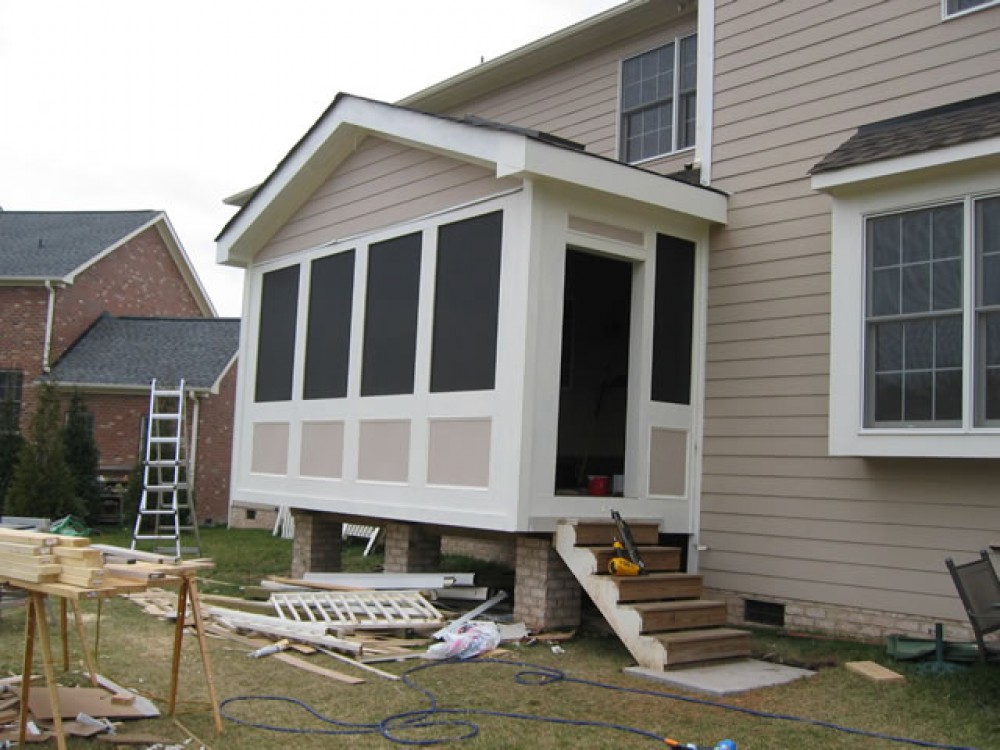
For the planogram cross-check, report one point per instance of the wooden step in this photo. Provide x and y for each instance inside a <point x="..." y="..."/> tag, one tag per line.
<point x="662" y="559"/>
<point x="686" y="646"/>
<point x="657" y="586"/>
<point x="683" y="614"/>
<point x="602" y="533"/>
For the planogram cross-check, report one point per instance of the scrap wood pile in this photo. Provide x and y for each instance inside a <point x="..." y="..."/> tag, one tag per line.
<point x="356" y="619"/>
<point x="93" y="710"/>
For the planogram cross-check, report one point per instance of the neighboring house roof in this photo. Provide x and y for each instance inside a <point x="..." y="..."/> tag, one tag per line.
<point x="129" y="352"/>
<point x="951" y="125"/>
<point x="56" y="246"/>
<point x="509" y="150"/>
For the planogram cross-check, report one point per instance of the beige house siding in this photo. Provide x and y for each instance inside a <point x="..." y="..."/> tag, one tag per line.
<point x="579" y="99"/>
<point x="381" y="184"/>
<point x="782" y="520"/>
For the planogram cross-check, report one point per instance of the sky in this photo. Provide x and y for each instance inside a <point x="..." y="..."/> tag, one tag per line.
<point x="176" y="104"/>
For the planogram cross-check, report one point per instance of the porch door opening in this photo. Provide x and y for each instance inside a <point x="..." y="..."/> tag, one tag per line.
<point x="593" y="394"/>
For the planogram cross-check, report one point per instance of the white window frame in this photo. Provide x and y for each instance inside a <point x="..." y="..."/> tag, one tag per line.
<point x="675" y="101"/>
<point x="946" y="13"/>
<point x="894" y="185"/>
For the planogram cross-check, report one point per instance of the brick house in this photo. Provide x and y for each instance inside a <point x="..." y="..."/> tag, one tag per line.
<point x="738" y="258"/>
<point x="104" y="302"/>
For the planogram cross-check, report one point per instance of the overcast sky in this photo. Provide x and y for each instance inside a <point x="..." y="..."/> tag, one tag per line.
<point x="176" y="104"/>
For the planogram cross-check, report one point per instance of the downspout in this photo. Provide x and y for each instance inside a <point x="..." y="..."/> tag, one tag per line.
<point x="49" y="317"/>
<point x="706" y="89"/>
<point x="193" y="457"/>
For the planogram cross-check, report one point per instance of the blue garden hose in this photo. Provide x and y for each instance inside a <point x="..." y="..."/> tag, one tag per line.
<point x="454" y="724"/>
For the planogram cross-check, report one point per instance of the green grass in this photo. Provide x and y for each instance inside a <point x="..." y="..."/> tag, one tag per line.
<point x="961" y="710"/>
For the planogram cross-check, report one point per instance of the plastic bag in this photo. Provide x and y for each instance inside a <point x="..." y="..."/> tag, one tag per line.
<point x="470" y="640"/>
<point x="69" y="526"/>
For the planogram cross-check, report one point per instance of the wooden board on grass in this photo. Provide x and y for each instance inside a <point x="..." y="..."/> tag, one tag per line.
<point x="874" y="671"/>
<point x="94" y="702"/>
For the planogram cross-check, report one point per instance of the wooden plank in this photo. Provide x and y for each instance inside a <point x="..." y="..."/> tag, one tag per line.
<point x="28" y="537"/>
<point x="26" y="548"/>
<point x="304" y="665"/>
<point x="874" y="671"/>
<point x="83" y="556"/>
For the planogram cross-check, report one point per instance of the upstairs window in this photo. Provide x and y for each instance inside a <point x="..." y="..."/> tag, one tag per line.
<point x="658" y="100"/>
<point x="932" y="339"/>
<point x="958" y="7"/>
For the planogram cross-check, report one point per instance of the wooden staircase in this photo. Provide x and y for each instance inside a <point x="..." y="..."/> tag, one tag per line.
<point x="659" y="616"/>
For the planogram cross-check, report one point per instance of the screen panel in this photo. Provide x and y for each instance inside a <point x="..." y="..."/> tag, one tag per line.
<point x="279" y="299"/>
<point x="466" y="304"/>
<point x="392" y="300"/>
<point x="328" y="335"/>
<point x="673" y="320"/>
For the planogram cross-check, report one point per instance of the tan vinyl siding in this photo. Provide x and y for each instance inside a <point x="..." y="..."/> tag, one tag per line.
<point x="579" y="100"/>
<point x="379" y="185"/>
<point x="780" y="517"/>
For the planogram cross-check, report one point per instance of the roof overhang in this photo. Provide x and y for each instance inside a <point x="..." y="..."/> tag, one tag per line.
<point x="350" y="119"/>
<point x="869" y="174"/>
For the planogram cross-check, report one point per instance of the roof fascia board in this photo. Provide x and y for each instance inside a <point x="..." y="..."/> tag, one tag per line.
<point x="605" y="28"/>
<point x="546" y="161"/>
<point x="173" y="242"/>
<point x="217" y="385"/>
<point x="121" y="389"/>
<point x="335" y="137"/>
<point x="851" y="176"/>
<point x="30" y="280"/>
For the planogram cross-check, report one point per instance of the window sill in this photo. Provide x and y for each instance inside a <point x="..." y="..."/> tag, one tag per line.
<point x="918" y="443"/>
<point x="659" y="157"/>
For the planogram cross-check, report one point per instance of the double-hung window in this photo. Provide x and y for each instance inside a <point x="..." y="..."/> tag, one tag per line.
<point x="959" y="7"/>
<point x="659" y="100"/>
<point x="932" y="338"/>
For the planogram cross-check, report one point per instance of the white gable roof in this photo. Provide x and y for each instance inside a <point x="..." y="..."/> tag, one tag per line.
<point x="510" y="152"/>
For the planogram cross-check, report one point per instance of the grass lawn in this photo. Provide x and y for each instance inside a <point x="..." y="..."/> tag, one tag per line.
<point x="960" y="710"/>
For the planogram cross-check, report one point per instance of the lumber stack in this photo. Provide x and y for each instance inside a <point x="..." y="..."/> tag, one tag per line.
<point x="36" y="557"/>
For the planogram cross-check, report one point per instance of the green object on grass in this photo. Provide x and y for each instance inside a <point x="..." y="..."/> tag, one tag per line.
<point x="69" y="526"/>
<point x="905" y="648"/>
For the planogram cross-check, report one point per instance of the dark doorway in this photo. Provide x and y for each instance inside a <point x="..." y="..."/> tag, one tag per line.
<point x="593" y="399"/>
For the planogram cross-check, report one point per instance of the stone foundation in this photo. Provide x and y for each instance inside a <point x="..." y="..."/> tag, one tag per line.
<point x="411" y="549"/>
<point x="546" y="595"/>
<point x="847" y="622"/>
<point x="317" y="543"/>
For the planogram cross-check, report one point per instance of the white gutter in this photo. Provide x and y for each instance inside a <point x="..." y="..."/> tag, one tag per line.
<point x="49" y="317"/>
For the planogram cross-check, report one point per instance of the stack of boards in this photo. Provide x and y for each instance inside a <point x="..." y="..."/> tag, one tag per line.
<point x="36" y="557"/>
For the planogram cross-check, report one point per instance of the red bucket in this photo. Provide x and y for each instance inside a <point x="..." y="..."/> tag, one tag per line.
<point x="598" y="485"/>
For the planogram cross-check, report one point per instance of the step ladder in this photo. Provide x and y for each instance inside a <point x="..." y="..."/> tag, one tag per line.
<point x="166" y="509"/>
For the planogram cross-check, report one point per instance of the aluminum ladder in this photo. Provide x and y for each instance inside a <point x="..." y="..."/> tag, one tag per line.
<point x="166" y="509"/>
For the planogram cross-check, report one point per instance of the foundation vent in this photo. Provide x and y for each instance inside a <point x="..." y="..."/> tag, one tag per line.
<point x="764" y="613"/>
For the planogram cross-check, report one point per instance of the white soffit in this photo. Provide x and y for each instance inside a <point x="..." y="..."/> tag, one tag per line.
<point x="941" y="157"/>
<point x="349" y="119"/>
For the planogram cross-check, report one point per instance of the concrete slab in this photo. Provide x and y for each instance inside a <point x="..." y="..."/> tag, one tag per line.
<point x="725" y="678"/>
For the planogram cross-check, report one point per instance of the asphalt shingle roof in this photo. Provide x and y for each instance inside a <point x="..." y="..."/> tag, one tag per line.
<point x="950" y="125"/>
<point x="52" y="244"/>
<point x="132" y="351"/>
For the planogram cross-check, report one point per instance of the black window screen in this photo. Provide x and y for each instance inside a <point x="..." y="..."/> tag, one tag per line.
<point x="328" y="336"/>
<point x="673" y="319"/>
<point x="466" y="304"/>
<point x="393" y="294"/>
<point x="276" y="340"/>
